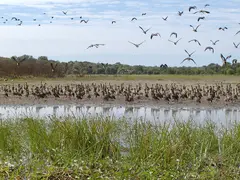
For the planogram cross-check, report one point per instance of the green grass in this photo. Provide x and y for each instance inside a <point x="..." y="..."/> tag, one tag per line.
<point x="230" y="78"/>
<point x="116" y="149"/>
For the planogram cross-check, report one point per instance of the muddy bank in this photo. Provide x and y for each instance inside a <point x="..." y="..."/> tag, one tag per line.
<point x="118" y="102"/>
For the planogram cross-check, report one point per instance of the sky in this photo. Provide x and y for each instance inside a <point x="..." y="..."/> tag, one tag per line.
<point x="67" y="40"/>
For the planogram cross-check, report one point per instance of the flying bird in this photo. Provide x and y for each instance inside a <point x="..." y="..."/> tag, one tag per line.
<point x="206" y="5"/>
<point x="64" y="12"/>
<point x="201" y="18"/>
<point x="214" y="43"/>
<point x="237" y="33"/>
<point x="136" y="45"/>
<point x="165" y="19"/>
<point x="189" y="54"/>
<point x="189" y="59"/>
<point x="134" y="19"/>
<point x="85" y="21"/>
<point x="222" y="28"/>
<point x="180" y="13"/>
<point x="224" y="59"/>
<point x="163" y="66"/>
<point x="173" y="33"/>
<point x="202" y="11"/>
<point x="113" y="22"/>
<point x="144" y="14"/>
<point x="144" y="31"/>
<point x="20" y="23"/>
<point x="53" y="67"/>
<point x="195" y="29"/>
<point x="192" y="7"/>
<point x="175" y="43"/>
<point x="234" y="61"/>
<point x="236" y="45"/>
<point x="155" y="34"/>
<point x="14" y="18"/>
<point x="209" y="48"/>
<point x="18" y="60"/>
<point x="195" y="40"/>
<point x="95" y="45"/>
<point x="92" y="45"/>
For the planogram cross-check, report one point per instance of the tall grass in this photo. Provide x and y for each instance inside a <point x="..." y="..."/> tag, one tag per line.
<point x="117" y="149"/>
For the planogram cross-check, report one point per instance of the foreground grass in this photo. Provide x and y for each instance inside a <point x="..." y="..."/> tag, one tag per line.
<point x="230" y="78"/>
<point x="109" y="149"/>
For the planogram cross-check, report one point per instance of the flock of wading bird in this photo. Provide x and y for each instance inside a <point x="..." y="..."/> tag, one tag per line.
<point x="203" y="11"/>
<point x="170" y="93"/>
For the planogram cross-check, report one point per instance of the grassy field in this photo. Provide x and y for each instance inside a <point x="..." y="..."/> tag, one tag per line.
<point x="109" y="149"/>
<point x="133" y="78"/>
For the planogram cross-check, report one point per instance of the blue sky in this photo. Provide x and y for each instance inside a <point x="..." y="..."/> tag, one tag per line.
<point x="67" y="39"/>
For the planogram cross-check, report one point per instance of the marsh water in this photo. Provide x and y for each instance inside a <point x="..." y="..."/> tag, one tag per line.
<point x="161" y="114"/>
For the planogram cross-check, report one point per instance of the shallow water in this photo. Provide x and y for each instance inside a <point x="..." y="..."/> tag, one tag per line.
<point x="220" y="116"/>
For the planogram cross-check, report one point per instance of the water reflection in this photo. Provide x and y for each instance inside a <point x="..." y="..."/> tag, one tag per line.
<point x="220" y="116"/>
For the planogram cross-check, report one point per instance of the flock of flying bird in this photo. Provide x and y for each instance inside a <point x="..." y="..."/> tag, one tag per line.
<point x="195" y="29"/>
<point x="180" y="13"/>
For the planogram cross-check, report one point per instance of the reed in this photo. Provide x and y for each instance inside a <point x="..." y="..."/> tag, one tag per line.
<point x="104" y="148"/>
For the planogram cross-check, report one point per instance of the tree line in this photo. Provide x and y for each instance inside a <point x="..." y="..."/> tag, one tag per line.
<point x="29" y="66"/>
